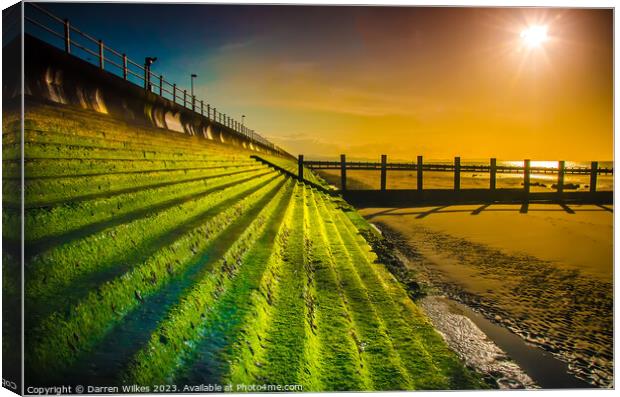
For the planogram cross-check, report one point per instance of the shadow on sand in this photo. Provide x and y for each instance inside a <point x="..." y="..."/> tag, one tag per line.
<point x="426" y="210"/>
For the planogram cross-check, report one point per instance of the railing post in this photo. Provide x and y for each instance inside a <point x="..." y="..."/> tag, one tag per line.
<point x="526" y="176"/>
<point x="493" y="174"/>
<point x="124" y="67"/>
<point x="101" y="56"/>
<point x="208" y="111"/>
<point x="343" y="172"/>
<point x="300" y="166"/>
<point x="561" y="165"/>
<point x="420" y="174"/>
<point x="184" y="98"/>
<point x="174" y="93"/>
<point x="457" y="173"/>
<point x="161" y="85"/>
<point x="202" y="107"/>
<point x="593" y="176"/>
<point x="383" y="171"/>
<point x="194" y="103"/>
<point x="67" y="36"/>
<point x="147" y="76"/>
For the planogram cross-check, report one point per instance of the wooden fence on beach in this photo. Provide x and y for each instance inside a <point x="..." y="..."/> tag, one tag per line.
<point x="384" y="196"/>
<point x="456" y="168"/>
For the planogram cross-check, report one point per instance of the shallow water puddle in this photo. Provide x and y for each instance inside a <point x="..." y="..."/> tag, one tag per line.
<point x="542" y="367"/>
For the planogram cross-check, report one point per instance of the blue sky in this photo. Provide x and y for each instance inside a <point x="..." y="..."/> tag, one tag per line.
<point x="371" y="80"/>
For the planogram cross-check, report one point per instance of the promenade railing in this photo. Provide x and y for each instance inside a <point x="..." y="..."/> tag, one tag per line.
<point x="86" y="47"/>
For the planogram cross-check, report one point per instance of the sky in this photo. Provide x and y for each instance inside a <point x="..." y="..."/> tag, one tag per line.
<point x="401" y="81"/>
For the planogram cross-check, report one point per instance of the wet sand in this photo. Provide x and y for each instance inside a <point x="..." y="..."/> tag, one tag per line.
<point x="544" y="274"/>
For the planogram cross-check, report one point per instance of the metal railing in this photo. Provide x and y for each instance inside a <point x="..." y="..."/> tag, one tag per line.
<point x="131" y="71"/>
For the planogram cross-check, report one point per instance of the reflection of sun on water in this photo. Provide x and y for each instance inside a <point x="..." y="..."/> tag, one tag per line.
<point x="545" y="164"/>
<point x="542" y="164"/>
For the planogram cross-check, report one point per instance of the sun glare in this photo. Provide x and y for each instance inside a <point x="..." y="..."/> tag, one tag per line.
<point x="534" y="36"/>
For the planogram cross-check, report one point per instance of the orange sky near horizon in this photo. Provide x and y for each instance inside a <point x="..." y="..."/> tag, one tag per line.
<point x="439" y="82"/>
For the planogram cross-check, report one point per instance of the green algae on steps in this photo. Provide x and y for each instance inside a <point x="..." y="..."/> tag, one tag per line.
<point x="46" y="222"/>
<point x="57" y="190"/>
<point x="103" y="255"/>
<point x="63" y="336"/>
<point x="294" y="297"/>
<point x="185" y="323"/>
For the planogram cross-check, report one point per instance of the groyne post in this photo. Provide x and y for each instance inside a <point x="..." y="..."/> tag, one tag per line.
<point x="493" y="174"/>
<point x="457" y="173"/>
<point x="300" y="166"/>
<point x="561" y="167"/>
<point x="343" y="172"/>
<point x="383" y="171"/>
<point x="526" y="175"/>
<point x="420" y="174"/>
<point x="593" y="176"/>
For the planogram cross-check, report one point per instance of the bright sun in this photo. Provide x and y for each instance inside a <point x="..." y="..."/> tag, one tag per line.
<point x="534" y="36"/>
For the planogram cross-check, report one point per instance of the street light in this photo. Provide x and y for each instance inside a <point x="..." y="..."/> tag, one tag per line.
<point x="148" y="61"/>
<point x="192" y="78"/>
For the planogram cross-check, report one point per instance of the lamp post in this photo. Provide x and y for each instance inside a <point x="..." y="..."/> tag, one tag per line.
<point x="148" y="61"/>
<point x="192" y="83"/>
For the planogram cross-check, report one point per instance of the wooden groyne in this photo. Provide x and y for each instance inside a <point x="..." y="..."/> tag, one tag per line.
<point x="457" y="194"/>
<point x="457" y="168"/>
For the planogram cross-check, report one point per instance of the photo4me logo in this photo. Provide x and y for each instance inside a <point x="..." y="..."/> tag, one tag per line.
<point x="9" y="384"/>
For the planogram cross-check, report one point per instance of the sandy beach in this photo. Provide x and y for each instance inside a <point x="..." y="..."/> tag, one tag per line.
<point x="543" y="271"/>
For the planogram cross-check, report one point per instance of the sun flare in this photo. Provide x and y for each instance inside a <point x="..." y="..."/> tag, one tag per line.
<point x="534" y="36"/>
